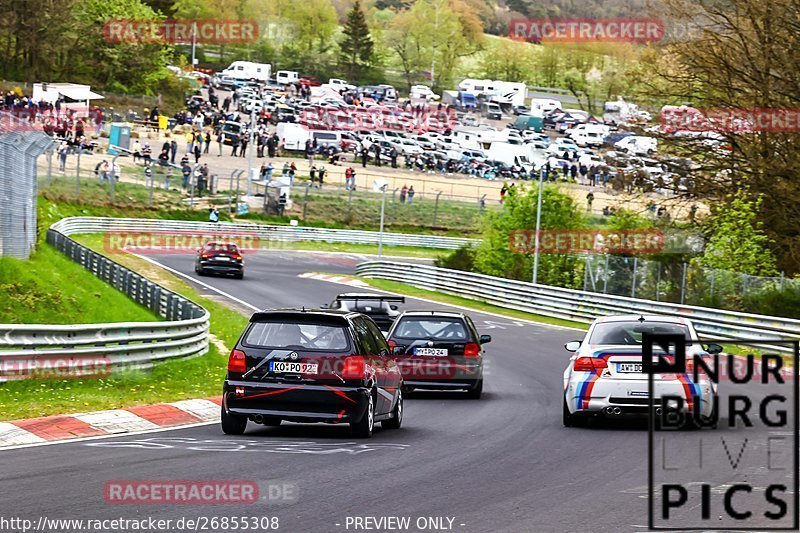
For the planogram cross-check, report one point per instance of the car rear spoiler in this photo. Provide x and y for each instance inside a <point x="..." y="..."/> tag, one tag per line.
<point x="376" y="298"/>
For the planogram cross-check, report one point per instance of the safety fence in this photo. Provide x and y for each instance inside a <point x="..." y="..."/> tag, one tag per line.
<point x="262" y="232"/>
<point x="28" y="348"/>
<point x="577" y="306"/>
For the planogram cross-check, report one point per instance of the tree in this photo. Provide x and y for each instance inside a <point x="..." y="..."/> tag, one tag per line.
<point x="495" y="256"/>
<point x="736" y="239"/>
<point x="744" y="55"/>
<point x="357" y="47"/>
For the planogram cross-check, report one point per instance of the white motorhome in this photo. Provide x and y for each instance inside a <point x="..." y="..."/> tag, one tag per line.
<point x="423" y="92"/>
<point x="545" y="105"/>
<point x="341" y="85"/>
<point x="247" y="70"/>
<point x="499" y="91"/>
<point x="285" y="77"/>
<point x="637" y="145"/>
<point x="622" y="112"/>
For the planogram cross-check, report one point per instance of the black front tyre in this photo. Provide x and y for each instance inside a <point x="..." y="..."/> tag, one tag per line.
<point x="233" y="424"/>
<point x="363" y="428"/>
<point x="397" y="414"/>
<point x="476" y="390"/>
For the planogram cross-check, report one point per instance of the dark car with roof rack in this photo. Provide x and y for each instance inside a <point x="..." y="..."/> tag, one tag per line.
<point x="438" y="350"/>
<point x="380" y="308"/>
<point x="330" y="366"/>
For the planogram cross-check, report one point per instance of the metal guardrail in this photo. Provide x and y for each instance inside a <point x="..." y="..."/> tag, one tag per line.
<point x="184" y="332"/>
<point x="262" y="232"/>
<point x="575" y="305"/>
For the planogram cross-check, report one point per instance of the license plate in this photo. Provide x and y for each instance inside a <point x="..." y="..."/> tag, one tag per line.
<point x="436" y="352"/>
<point x="223" y="258"/>
<point x="288" y="367"/>
<point x="629" y="368"/>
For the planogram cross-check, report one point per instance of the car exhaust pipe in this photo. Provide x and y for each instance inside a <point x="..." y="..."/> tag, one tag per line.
<point x="258" y="419"/>
<point x="617" y="410"/>
<point x="608" y="410"/>
<point x="659" y="411"/>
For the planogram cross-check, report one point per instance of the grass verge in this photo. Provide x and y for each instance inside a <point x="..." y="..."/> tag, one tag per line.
<point x="169" y="381"/>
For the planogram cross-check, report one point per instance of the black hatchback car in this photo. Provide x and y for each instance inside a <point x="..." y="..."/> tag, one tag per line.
<point x="312" y="366"/>
<point x="438" y="350"/>
<point x="219" y="258"/>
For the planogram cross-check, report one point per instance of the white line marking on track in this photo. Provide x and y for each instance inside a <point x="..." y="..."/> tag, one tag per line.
<point x="195" y="280"/>
<point x="109" y="436"/>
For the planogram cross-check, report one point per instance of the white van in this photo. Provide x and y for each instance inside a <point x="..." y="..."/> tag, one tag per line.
<point x="589" y="134"/>
<point x="293" y="135"/>
<point x="341" y="85"/>
<point x="637" y="145"/>
<point x="422" y="92"/>
<point x="247" y="70"/>
<point x="285" y="77"/>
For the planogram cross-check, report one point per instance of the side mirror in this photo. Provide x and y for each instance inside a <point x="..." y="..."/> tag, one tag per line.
<point x="393" y="307"/>
<point x="713" y="348"/>
<point x="324" y="306"/>
<point x="484" y="339"/>
<point x="572" y="346"/>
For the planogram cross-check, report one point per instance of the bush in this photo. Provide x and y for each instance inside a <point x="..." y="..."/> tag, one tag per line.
<point x="774" y="302"/>
<point x="460" y="259"/>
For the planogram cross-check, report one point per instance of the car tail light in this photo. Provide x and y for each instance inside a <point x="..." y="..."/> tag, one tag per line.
<point x="206" y="256"/>
<point x="353" y="367"/>
<point x="237" y="257"/>
<point x="237" y="361"/>
<point x="472" y="349"/>
<point x="588" y="364"/>
<point x="392" y="344"/>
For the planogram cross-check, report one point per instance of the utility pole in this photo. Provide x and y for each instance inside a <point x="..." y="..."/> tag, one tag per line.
<point x="383" y="211"/>
<point x="538" y="226"/>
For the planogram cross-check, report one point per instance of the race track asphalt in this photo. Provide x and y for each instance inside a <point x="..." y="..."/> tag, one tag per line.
<point x="502" y="463"/>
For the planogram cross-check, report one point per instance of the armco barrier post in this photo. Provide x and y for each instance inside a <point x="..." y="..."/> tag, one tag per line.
<point x="436" y="207"/>
<point x="683" y="285"/>
<point x="78" y="175"/>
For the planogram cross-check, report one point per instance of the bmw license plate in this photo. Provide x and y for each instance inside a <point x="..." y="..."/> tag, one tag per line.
<point x="629" y="368"/>
<point x="436" y="352"/>
<point x="288" y="367"/>
<point x="223" y="258"/>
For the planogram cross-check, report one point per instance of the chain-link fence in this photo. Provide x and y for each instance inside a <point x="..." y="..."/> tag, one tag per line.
<point x="675" y="282"/>
<point x="20" y="146"/>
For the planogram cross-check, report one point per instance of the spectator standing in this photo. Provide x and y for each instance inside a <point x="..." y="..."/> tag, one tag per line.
<point x="321" y="176"/>
<point x="62" y="156"/>
<point x="189" y="141"/>
<point x="292" y="171"/>
<point x="186" y="170"/>
<point x="503" y="192"/>
<point x="411" y="194"/>
<point x="197" y="153"/>
<point x="394" y="157"/>
<point x="146" y="154"/>
<point x="208" y="140"/>
<point x="312" y="174"/>
<point x="163" y="158"/>
<point x="234" y="145"/>
<point x="589" y="200"/>
<point x="364" y="155"/>
<point x="173" y="150"/>
<point x="220" y="141"/>
<point x="137" y="151"/>
<point x="270" y="169"/>
<point x="403" y="194"/>
<point x="243" y="147"/>
<point x="285" y="171"/>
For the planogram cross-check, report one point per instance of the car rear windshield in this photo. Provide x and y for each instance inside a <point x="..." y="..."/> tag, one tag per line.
<point x="221" y="247"/>
<point x="366" y="306"/>
<point x="631" y="332"/>
<point x="432" y="328"/>
<point x="298" y="336"/>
